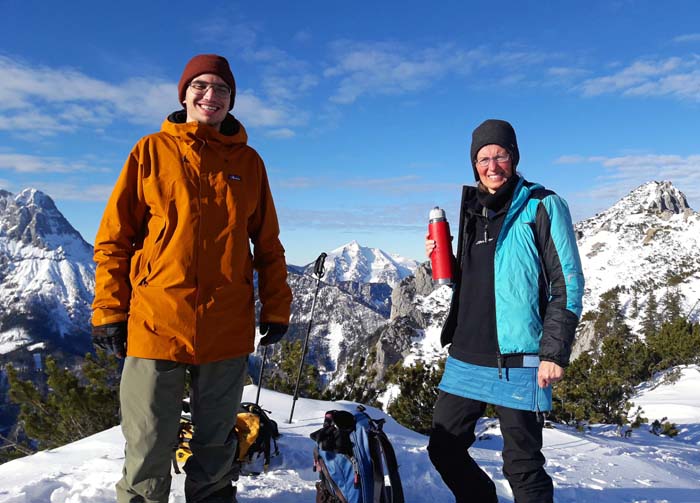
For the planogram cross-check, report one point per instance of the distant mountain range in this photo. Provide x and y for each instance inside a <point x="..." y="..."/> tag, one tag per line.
<point x="370" y="302"/>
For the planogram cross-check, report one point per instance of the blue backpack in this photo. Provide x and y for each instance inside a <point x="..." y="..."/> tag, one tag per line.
<point x="355" y="460"/>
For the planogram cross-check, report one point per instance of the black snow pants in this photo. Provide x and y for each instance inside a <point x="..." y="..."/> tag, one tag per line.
<point x="454" y="421"/>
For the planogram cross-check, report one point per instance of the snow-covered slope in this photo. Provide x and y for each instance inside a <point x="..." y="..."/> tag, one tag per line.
<point x="46" y="273"/>
<point x="353" y="262"/>
<point x="648" y="239"/>
<point x="598" y="466"/>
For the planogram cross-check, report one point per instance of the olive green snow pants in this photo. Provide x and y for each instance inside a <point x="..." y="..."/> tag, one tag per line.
<point x="151" y="393"/>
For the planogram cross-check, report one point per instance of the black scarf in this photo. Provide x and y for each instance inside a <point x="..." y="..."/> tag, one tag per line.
<point x="501" y="197"/>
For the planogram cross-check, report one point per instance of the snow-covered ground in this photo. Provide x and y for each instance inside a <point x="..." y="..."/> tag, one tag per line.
<point x="596" y="466"/>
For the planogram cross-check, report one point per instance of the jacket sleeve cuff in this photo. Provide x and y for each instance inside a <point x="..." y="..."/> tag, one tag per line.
<point x="105" y="316"/>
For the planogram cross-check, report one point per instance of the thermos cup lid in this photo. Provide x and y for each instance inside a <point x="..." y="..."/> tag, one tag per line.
<point x="437" y="213"/>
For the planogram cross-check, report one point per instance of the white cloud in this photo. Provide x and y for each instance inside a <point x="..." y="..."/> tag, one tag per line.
<point x="383" y="68"/>
<point x="48" y="101"/>
<point x="690" y="37"/>
<point x="302" y="37"/>
<point x="254" y="112"/>
<point x="409" y="217"/>
<point x="23" y="163"/>
<point x="282" y="133"/>
<point x="676" y="77"/>
<point x="624" y="173"/>
<point x="284" y="79"/>
<point x="401" y="185"/>
<point x="387" y="68"/>
<point x="75" y="192"/>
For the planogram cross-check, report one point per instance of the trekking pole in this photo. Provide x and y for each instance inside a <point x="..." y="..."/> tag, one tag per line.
<point x="260" y="376"/>
<point x="319" y="271"/>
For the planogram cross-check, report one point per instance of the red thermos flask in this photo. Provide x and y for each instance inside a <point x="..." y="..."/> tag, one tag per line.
<point x="441" y="257"/>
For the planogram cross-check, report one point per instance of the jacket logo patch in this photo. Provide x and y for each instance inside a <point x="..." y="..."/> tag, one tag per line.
<point x="234" y="177"/>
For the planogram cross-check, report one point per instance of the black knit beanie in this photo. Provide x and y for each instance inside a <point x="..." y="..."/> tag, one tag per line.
<point x="494" y="132"/>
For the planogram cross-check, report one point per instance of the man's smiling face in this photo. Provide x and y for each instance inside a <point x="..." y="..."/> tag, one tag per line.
<point x="210" y="104"/>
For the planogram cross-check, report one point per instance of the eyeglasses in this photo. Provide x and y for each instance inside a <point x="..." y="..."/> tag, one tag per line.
<point x="200" y="88"/>
<point x="500" y="159"/>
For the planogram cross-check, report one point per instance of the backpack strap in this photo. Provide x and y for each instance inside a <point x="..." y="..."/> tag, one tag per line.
<point x="384" y="457"/>
<point x="173" y="458"/>
<point x="391" y="465"/>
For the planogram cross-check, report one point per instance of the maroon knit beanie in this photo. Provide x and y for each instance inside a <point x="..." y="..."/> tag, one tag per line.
<point x="206" y="63"/>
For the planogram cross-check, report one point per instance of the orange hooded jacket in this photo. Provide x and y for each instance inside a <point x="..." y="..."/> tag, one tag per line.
<point x="173" y="248"/>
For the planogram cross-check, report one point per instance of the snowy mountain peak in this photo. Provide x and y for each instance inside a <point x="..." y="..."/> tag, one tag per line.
<point x="654" y="197"/>
<point x="646" y="240"/>
<point x="46" y="275"/>
<point x="31" y="218"/>
<point x="354" y="262"/>
<point x="33" y="197"/>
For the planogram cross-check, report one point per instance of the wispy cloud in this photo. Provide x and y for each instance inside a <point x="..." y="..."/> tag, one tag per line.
<point x="677" y="77"/>
<point x="49" y="101"/>
<point x="408" y="184"/>
<point x="281" y="133"/>
<point x="383" y="68"/>
<point x="303" y="37"/>
<point x="24" y="163"/>
<point x="283" y="78"/>
<point x="624" y="173"/>
<point x="52" y="100"/>
<point x="690" y="37"/>
<point x="392" y="68"/>
<point x="75" y="191"/>
<point x="375" y="218"/>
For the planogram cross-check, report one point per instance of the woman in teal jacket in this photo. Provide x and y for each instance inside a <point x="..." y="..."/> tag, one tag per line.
<point x="515" y="308"/>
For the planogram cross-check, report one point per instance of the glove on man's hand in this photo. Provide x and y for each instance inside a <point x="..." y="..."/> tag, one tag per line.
<point x="272" y="333"/>
<point x="111" y="338"/>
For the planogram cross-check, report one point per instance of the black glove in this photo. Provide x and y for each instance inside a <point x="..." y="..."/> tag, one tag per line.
<point x="272" y="333"/>
<point x="111" y="338"/>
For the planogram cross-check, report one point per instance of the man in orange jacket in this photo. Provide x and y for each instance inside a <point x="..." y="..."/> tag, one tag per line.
<point x="174" y="286"/>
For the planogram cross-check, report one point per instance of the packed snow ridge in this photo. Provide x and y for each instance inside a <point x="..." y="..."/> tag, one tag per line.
<point x="595" y="466"/>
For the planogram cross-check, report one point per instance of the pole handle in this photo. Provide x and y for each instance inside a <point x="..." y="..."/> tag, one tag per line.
<point x="319" y="269"/>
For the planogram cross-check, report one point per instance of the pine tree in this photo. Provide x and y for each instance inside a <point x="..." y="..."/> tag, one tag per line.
<point x="635" y="303"/>
<point x="418" y="392"/>
<point x="74" y="406"/>
<point x="359" y="383"/>
<point x="650" y="318"/>
<point x="610" y="319"/>
<point x="286" y="361"/>
<point x="676" y="343"/>
<point x="672" y="305"/>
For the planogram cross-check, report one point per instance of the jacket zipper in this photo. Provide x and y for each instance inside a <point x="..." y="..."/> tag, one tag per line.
<point x="199" y="245"/>
<point x="499" y="356"/>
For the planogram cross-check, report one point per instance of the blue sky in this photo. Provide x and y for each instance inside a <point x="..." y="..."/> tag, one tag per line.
<point x="362" y="111"/>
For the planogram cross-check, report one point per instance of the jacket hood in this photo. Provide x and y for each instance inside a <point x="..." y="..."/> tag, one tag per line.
<point x="232" y="131"/>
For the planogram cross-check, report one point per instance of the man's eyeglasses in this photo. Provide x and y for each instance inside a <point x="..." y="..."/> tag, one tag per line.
<point x="500" y="159"/>
<point x="199" y="88"/>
